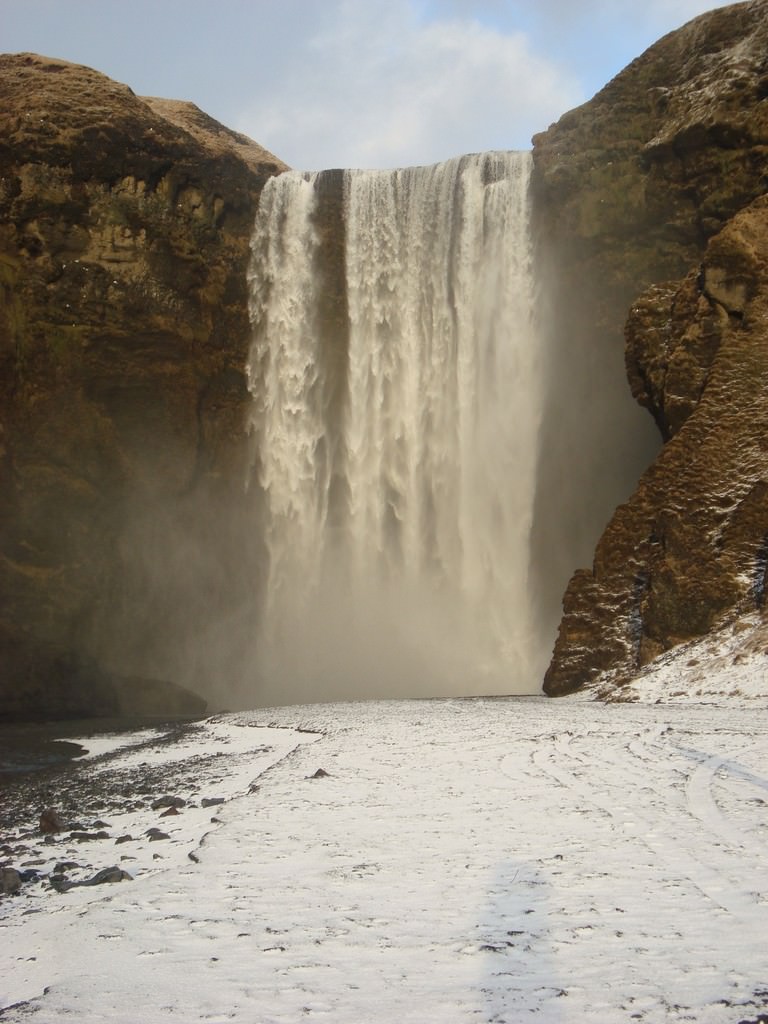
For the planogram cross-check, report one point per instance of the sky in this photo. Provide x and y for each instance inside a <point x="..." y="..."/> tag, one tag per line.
<point x="357" y="83"/>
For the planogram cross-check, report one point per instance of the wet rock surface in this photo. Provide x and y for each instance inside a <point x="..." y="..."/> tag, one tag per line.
<point x="124" y="233"/>
<point x="72" y="842"/>
<point x="650" y="207"/>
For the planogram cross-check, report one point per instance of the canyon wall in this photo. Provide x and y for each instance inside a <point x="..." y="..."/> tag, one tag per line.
<point x="124" y="231"/>
<point x="131" y="556"/>
<point x="650" y="210"/>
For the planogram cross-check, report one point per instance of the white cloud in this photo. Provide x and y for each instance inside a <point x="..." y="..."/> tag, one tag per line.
<point x="380" y="87"/>
<point x="366" y="82"/>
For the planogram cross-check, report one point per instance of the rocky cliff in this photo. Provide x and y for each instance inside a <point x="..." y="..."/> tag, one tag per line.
<point x="124" y="233"/>
<point x="650" y="206"/>
<point x="129" y="550"/>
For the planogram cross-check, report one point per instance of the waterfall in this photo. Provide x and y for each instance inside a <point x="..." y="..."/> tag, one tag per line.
<point x="395" y="420"/>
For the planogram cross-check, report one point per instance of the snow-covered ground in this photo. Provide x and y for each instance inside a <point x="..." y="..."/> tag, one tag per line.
<point x="461" y="860"/>
<point x="728" y="665"/>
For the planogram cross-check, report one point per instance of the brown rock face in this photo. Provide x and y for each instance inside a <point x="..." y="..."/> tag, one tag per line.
<point x="649" y="203"/>
<point x="124" y="232"/>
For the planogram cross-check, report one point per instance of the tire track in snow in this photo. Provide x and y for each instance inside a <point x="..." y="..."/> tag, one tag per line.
<point x="703" y="804"/>
<point x="699" y="789"/>
<point x="740" y="854"/>
<point x="675" y="841"/>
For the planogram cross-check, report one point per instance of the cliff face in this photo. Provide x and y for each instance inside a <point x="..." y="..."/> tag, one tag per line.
<point x="648" y="202"/>
<point x="128" y="549"/>
<point x="124" y="232"/>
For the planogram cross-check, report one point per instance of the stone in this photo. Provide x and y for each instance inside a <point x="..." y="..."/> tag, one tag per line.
<point x="124" y="246"/>
<point x="212" y="801"/>
<point x="60" y="883"/>
<point x="51" y="821"/>
<point x="65" y="865"/>
<point x="109" y="876"/>
<point x="168" y="801"/>
<point x="10" y="881"/>
<point x="321" y="773"/>
<point x="688" y="550"/>
<point x="649" y="207"/>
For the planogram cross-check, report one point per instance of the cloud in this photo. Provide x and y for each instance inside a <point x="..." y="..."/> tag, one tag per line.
<point x="358" y="82"/>
<point x="395" y="84"/>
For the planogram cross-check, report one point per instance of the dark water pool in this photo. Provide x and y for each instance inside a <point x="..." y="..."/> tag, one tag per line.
<point x="36" y="747"/>
<point x="21" y="753"/>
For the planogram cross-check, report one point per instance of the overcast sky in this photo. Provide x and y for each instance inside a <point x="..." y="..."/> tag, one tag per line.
<point x="357" y="83"/>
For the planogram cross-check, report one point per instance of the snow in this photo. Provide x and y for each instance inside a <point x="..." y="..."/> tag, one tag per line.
<point x="110" y="742"/>
<point x="728" y="665"/>
<point x="478" y="860"/>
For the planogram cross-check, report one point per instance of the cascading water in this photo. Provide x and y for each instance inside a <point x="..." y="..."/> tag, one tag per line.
<point x="395" y="417"/>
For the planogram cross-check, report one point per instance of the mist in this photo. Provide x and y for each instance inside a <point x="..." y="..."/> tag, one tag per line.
<point x="395" y="415"/>
<point x="436" y="438"/>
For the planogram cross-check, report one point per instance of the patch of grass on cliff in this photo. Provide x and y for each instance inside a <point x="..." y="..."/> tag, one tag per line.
<point x="65" y="343"/>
